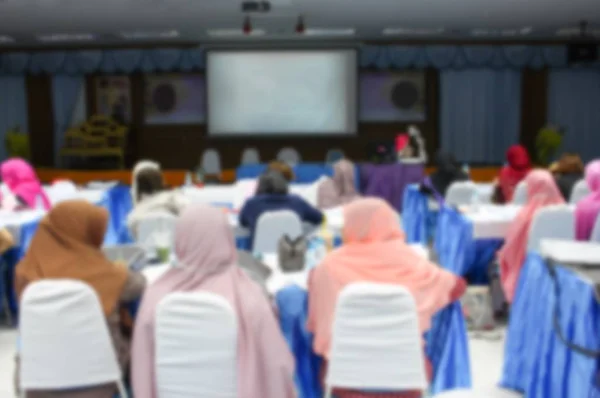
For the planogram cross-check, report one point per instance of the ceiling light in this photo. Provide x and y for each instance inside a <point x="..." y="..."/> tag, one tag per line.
<point x="234" y="33"/>
<point x="329" y="32"/>
<point x="526" y="30"/>
<point x="59" y="37"/>
<point x="6" y="39"/>
<point x="167" y="34"/>
<point x="412" y="31"/>
<point x="576" y="31"/>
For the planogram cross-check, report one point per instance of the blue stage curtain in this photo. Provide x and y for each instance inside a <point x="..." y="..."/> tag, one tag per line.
<point x="66" y="93"/>
<point x="481" y="113"/>
<point x="13" y="107"/>
<point x="574" y="104"/>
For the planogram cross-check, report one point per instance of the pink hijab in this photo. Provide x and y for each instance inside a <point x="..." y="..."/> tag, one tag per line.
<point x="541" y="191"/>
<point x="588" y="208"/>
<point x="340" y="189"/>
<point x="22" y="181"/>
<point x="374" y="250"/>
<point x="206" y="250"/>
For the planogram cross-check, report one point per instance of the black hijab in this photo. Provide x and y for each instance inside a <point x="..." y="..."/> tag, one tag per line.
<point x="448" y="171"/>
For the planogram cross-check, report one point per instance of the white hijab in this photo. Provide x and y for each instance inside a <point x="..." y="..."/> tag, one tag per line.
<point x="139" y="166"/>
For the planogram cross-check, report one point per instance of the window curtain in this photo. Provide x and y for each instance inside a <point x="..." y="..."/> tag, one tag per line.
<point x="13" y="108"/>
<point x="480" y="113"/>
<point x="574" y="105"/>
<point x="68" y="103"/>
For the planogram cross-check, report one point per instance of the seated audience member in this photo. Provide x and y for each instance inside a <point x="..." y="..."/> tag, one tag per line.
<point x="152" y="198"/>
<point x="22" y="181"/>
<point x="588" y="208"/>
<point x="274" y="196"/>
<point x="518" y="165"/>
<point x="207" y="263"/>
<point x="140" y="166"/>
<point x="448" y="171"/>
<point x="67" y="245"/>
<point x="340" y="189"/>
<point x="375" y="250"/>
<point x="541" y="191"/>
<point x="568" y="171"/>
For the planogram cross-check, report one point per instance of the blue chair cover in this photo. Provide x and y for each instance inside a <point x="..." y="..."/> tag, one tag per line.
<point x="447" y="348"/>
<point x="13" y="256"/>
<point x="292" y="304"/>
<point x="536" y="362"/>
<point x="117" y="201"/>
<point x="458" y="251"/>
<point x="446" y="345"/>
<point x="305" y="173"/>
<point x="415" y="214"/>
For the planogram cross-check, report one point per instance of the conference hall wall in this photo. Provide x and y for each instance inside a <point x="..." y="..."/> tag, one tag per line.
<point x="178" y="141"/>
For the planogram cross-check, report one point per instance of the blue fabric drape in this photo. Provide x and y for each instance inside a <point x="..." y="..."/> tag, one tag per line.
<point x="13" y="107"/>
<point x="574" y="104"/>
<point x="480" y="113"/>
<point x="66" y="92"/>
<point x="536" y="362"/>
<point x="382" y="57"/>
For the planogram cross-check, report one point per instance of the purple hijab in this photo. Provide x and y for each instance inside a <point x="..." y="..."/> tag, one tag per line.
<point x="588" y="208"/>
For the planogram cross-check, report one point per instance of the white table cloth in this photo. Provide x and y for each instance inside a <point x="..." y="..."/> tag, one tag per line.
<point x="278" y="279"/>
<point x="491" y="221"/>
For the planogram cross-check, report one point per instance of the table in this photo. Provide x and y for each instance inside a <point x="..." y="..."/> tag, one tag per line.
<point x="467" y="243"/>
<point x="419" y="212"/>
<point x="536" y="361"/>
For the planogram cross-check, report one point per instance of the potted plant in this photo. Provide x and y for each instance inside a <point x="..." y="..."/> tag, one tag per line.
<point x="547" y="142"/>
<point x="16" y="143"/>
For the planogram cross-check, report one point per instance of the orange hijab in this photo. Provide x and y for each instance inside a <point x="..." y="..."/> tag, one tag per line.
<point x="374" y="250"/>
<point x="541" y="191"/>
<point x="68" y="245"/>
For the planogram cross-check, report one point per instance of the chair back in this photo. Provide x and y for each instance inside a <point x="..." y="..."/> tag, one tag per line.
<point x="289" y="156"/>
<point x="61" y="191"/>
<point x="551" y="222"/>
<point x="376" y="341"/>
<point x="196" y="346"/>
<point x="271" y="226"/>
<point x="65" y="343"/>
<point x="334" y="155"/>
<point x="580" y="191"/>
<point x="461" y="193"/>
<point x="250" y="156"/>
<point x="520" y="194"/>
<point x="156" y="231"/>
<point x="211" y="162"/>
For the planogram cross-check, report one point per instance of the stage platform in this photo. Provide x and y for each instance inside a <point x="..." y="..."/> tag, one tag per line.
<point x="177" y="177"/>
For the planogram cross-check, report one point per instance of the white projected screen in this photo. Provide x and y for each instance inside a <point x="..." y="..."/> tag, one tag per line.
<point x="282" y="92"/>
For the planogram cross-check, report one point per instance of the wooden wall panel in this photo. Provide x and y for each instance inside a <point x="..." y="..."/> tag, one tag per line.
<point x="41" y="120"/>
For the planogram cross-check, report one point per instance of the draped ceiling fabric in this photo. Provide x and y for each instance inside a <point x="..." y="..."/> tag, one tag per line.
<point x="574" y="105"/>
<point x="67" y="99"/>
<point x="382" y="57"/>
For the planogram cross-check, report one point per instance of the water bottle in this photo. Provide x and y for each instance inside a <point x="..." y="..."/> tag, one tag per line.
<point x="465" y="168"/>
<point x="188" y="179"/>
<point x="39" y="203"/>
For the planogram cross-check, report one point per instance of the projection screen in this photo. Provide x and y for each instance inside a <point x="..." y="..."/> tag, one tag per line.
<point x="289" y="92"/>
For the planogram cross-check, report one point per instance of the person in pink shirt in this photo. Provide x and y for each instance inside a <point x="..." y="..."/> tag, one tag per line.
<point x="21" y="179"/>
<point x="588" y="208"/>
<point x="207" y="257"/>
<point x="375" y="250"/>
<point x="541" y="191"/>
